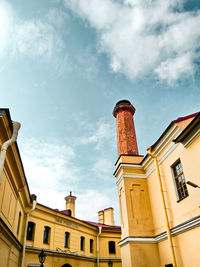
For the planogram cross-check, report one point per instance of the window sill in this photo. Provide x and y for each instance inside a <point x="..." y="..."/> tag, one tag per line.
<point x="179" y="200"/>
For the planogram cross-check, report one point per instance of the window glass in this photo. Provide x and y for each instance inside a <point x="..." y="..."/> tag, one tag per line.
<point x="19" y="222"/>
<point x="67" y="234"/>
<point x="82" y="245"/>
<point x="111" y="246"/>
<point x="46" y="234"/>
<point x="181" y="187"/>
<point x="91" y="245"/>
<point x="30" y="231"/>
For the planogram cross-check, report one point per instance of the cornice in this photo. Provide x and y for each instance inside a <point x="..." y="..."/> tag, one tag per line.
<point x="191" y="139"/>
<point x="179" y="229"/>
<point x="146" y="175"/>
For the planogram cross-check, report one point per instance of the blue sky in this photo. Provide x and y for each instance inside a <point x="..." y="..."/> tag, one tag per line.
<point x="64" y="65"/>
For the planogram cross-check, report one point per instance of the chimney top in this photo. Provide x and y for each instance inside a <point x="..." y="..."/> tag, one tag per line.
<point x="124" y="101"/>
<point x="70" y="195"/>
<point x="123" y="105"/>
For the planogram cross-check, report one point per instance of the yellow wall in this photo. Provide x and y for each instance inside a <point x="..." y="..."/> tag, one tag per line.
<point x="14" y="199"/>
<point x="142" y="212"/>
<point x="59" y="224"/>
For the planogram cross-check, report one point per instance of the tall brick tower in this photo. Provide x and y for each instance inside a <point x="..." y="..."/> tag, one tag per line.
<point x="126" y="136"/>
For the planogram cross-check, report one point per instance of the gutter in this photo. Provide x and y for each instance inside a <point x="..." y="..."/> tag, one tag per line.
<point x="164" y="207"/>
<point x="5" y="145"/>
<point x="100" y="229"/>
<point x="25" y="230"/>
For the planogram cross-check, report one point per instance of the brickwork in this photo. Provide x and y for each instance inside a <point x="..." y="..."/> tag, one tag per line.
<point x="126" y="136"/>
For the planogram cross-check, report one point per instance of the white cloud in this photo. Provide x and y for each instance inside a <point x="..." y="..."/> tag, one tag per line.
<point x="51" y="174"/>
<point x="99" y="134"/>
<point x="143" y="38"/>
<point x="36" y="37"/>
<point x="172" y="69"/>
<point x="48" y="166"/>
<point x="92" y="201"/>
<point x="103" y="168"/>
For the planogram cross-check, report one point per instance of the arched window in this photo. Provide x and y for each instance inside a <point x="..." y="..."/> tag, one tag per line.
<point x="91" y="245"/>
<point x="30" y="231"/>
<point x="67" y="237"/>
<point x="82" y="244"/>
<point x="66" y="265"/>
<point x="46" y="235"/>
<point x="111" y="247"/>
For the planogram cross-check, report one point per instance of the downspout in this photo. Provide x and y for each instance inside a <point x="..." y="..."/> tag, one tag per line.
<point x="25" y="230"/>
<point x="5" y="145"/>
<point x="100" y="229"/>
<point x="164" y="206"/>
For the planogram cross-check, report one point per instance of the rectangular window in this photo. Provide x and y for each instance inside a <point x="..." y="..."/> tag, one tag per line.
<point x="19" y="222"/>
<point x="91" y="245"/>
<point x="111" y="247"/>
<point x="181" y="187"/>
<point x="82" y="245"/>
<point x="46" y="235"/>
<point x="67" y="234"/>
<point x="30" y="231"/>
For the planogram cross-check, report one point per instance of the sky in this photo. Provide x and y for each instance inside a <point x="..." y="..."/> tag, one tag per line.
<point x="63" y="66"/>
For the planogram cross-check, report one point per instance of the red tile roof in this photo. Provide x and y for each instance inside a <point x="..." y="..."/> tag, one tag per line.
<point x="186" y="117"/>
<point x="104" y="226"/>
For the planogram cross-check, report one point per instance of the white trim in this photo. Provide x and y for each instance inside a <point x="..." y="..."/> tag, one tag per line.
<point x="134" y="175"/>
<point x="146" y="175"/>
<point x="131" y="166"/>
<point x="179" y="229"/>
<point x="192" y="138"/>
<point x="169" y="136"/>
<point x="168" y="152"/>
<point x="173" y="133"/>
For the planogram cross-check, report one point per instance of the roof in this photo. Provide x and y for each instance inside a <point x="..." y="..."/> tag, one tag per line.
<point x="191" y="126"/>
<point x="104" y="226"/>
<point x="96" y="224"/>
<point x="186" y="117"/>
<point x="174" y="121"/>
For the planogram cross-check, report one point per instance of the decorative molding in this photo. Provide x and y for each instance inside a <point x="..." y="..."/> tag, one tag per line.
<point x="169" y="137"/>
<point x="71" y="254"/>
<point x="125" y="165"/>
<point x="144" y="176"/>
<point x="179" y="229"/>
<point x="191" y="139"/>
<point x="175" y="131"/>
<point x="168" y="152"/>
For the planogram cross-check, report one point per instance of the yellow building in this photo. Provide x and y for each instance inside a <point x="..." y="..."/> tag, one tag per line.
<point x="160" y="212"/>
<point x="27" y="227"/>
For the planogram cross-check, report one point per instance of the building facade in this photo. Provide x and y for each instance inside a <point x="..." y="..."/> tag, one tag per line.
<point x="27" y="227"/>
<point x="160" y="212"/>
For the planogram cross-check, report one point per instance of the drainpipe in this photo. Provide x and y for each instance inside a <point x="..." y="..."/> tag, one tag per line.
<point x="164" y="206"/>
<point x="25" y="230"/>
<point x="5" y="145"/>
<point x="100" y="229"/>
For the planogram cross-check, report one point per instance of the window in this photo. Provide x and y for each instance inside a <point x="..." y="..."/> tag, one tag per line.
<point x="180" y="180"/>
<point x="67" y="234"/>
<point x="91" y="245"/>
<point x="30" y="231"/>
<point x="46" y="234"/>
<point x="111" y="246"/>
<point x="19" y="222"/>
<point x="82" y="245"/>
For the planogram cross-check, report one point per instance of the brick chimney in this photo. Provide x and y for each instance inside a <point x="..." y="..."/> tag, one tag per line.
<point x="126" y="136"/>
<point x="70" y="203"/>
